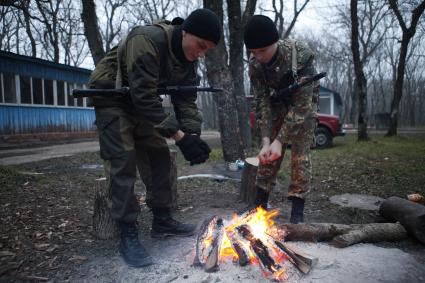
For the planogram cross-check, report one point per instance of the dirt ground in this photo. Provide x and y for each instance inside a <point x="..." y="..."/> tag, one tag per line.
<point x="46" y="210"/>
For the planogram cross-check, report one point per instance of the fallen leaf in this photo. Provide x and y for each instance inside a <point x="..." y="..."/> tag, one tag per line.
<point x="52" y="248"/>
<point x="6" y="253"/>
<point x="41" y="247"/>
<point x="78" y="258"/>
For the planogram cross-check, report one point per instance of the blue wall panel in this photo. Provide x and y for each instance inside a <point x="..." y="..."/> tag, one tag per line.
<point x="29" y="119"/>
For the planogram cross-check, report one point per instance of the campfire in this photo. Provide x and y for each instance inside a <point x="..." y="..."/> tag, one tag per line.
<point x="250" y="238"/>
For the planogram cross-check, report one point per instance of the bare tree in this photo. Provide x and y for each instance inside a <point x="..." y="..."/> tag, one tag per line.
<point x="408" y="33"/>
<point x="7" y="28"/>
<point x="236" y="23"/>
<point x="91" y="30"/>
<point x="360" y="84"/>
<point x="113" y="26"/>
<point x="219" y="74"/>
<point x="49" y="12"/>
<point x="279" y="20"/>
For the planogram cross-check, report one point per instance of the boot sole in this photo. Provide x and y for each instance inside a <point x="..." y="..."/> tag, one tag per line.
<point x="142" y="263"/>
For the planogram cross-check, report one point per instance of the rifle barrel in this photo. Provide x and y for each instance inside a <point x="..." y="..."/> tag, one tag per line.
<point x="77" y="93"/>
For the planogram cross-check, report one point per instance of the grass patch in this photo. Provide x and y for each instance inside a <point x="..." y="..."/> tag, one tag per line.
<point x="382" y="166"/>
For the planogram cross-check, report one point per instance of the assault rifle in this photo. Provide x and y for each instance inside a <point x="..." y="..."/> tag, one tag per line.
<point x="286" y="93"/>
<point x="170" y="90"/>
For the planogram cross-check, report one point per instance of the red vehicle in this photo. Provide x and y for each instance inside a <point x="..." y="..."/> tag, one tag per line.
<point x="328" y="127"/>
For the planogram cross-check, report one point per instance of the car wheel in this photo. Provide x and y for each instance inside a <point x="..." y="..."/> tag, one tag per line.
<point x="323" y="138"/>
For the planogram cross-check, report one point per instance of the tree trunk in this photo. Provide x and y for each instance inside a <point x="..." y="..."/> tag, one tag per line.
<point x="411" y="215"/>
<point x="91" y="30"/>
<point x="237" y="68"/>
<point x="408" y="33"/>
<point x="360" y="77"/>
<point x="219" y="75"/>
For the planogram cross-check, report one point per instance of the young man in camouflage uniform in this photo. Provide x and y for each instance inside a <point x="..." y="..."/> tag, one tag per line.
<point x="132" y="128"/>
<point x="274" y="65"/>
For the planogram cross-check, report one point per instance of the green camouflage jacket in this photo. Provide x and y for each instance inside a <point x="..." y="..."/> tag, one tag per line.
<point x="266" y="79"/>
<point x="148" y="62"/>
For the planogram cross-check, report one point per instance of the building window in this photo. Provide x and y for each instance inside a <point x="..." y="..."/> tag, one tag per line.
<point x="48" y="92"/>
<point x="25" y="84"/>
<point x="37" y="91"/>
<point x="324" y="105"/>
<point x="9" y="88"/>
<point x="61" y="92"/>
<point x="80" y="101"/>
<point x="70" y="87"/>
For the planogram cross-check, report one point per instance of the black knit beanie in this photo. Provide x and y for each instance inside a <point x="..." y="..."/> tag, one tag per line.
<point x="260" y="31"/>
<point x="203" y="23"/>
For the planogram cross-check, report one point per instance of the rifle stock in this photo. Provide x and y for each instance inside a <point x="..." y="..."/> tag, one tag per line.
<point x="288" y="91"/>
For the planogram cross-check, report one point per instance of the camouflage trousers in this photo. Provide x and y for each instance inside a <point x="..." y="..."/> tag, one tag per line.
<point x="128" y="143"/>
<point x="301" y="138"/>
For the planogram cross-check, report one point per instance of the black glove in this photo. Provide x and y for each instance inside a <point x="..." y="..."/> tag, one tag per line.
<point x="194" y="149"/>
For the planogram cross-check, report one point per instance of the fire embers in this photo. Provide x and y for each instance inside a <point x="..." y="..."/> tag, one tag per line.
<point x="248" y="238"/>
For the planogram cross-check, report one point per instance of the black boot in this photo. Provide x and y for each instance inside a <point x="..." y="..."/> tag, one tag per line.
<point x="130" y="248"/>
<point x="164" y="225"/>
<point x="261" y="198"/>
<point x="297" y="211"/>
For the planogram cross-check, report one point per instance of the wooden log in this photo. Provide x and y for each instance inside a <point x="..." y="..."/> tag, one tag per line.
<point x="104" y="227"/>
<point x="243" y="257"/>
<point x="211" y="264"/>
<point x="410" y="214"/>
<point x="259" y="249"/>
<point x="370" y="233"/>
<point x="340" y="235"/>
<point x="303" y="262"/>
<point x="205" y="232"/>
<point x="248" y="190"/>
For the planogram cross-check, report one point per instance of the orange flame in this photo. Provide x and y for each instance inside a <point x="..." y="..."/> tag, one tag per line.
<point x="259" y="222"/>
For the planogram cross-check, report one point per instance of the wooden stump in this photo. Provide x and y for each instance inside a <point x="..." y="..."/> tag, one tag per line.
<point x="248" y="190"/>
<point x="410" y="214"/>
<point x="104" y="226"/>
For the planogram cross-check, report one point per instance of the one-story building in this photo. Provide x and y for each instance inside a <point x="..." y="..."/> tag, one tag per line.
<point x="35" y="97"/>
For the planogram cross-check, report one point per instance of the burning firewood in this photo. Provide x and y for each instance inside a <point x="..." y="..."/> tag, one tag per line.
<point x="208" y="244"/>
<point x="259" y="248"/>
<point x="302" y="262"/>
<point x="246" y="239"/>
<point x="211" y="263"/>
<point x="243" y="257"/>
<point x="205" y="235"/>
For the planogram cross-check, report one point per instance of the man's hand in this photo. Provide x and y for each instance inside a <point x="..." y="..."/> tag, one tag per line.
<point x="275" y="150"/>
<point x="264" y="153"/>
<point x="194" y="149"/>
<point x="270" y="152"/>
